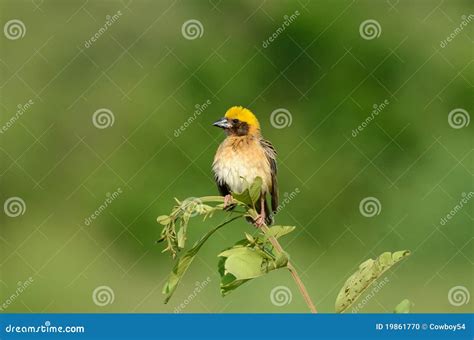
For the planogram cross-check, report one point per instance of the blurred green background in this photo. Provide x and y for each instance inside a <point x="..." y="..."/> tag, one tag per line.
<point x="320" y="69"/>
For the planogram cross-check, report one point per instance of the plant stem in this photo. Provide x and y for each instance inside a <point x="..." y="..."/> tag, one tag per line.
<point x="293" y="272"/>
<point x="227" y="222"/>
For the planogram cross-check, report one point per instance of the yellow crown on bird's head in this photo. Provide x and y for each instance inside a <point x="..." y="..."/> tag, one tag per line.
<point x="244" y="115"/>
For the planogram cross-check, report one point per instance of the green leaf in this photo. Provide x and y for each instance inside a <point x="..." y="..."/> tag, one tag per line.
<point x="181" y="237"/>
<point x="233" y="250"/>
<point x="228" y="281"/>
<point x="250" y="194"/>
<point x="252" y="213"/>
<point x="250" y="238"/>
<point x="368" y="272"/>
<point x="403" y="307"/>
<point x="281" y="260"/>
<point x="243" y="197"/>
<point x="277" y="231"/>
<point x="163" y="219"/>
<point x="243" y="263"/>
<point x="247" y="260"/>
<point x="185" y="261"/>
<point x="255" y="190"/>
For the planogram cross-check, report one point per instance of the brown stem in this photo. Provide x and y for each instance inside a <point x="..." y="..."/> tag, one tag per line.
<point x="293" y="272"/>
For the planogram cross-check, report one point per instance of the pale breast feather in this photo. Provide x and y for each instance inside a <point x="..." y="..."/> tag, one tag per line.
<point x="237" y="164"/>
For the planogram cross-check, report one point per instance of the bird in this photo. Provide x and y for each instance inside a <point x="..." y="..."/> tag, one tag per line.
<point x="243" y="156"/>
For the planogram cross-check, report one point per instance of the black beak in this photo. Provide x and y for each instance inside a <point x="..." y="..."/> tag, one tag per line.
<point x="223" y="123"/>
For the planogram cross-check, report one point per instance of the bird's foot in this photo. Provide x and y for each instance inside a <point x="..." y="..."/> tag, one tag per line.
<point x="260" y="220"/>
<point x="262" y="217"/>
<point x="228" y="201"/>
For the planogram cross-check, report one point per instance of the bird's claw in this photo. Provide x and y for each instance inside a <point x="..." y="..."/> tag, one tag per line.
<point x="228" y="201"/>
<point x="259" y="221"/>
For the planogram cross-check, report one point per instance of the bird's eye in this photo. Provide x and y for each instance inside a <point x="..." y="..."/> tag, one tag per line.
<point x="235" y="121"/>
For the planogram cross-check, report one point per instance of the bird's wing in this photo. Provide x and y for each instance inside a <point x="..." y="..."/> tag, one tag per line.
<point x="271" y="154"/>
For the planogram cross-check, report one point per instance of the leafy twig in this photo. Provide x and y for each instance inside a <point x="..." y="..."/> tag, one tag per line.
<point x="256" y="255"/>
<point x="247" y="259"/>
<point x="253" y="256"/>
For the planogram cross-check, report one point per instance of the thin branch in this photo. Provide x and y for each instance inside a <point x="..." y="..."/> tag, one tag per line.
<point x="293" y="272"/>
